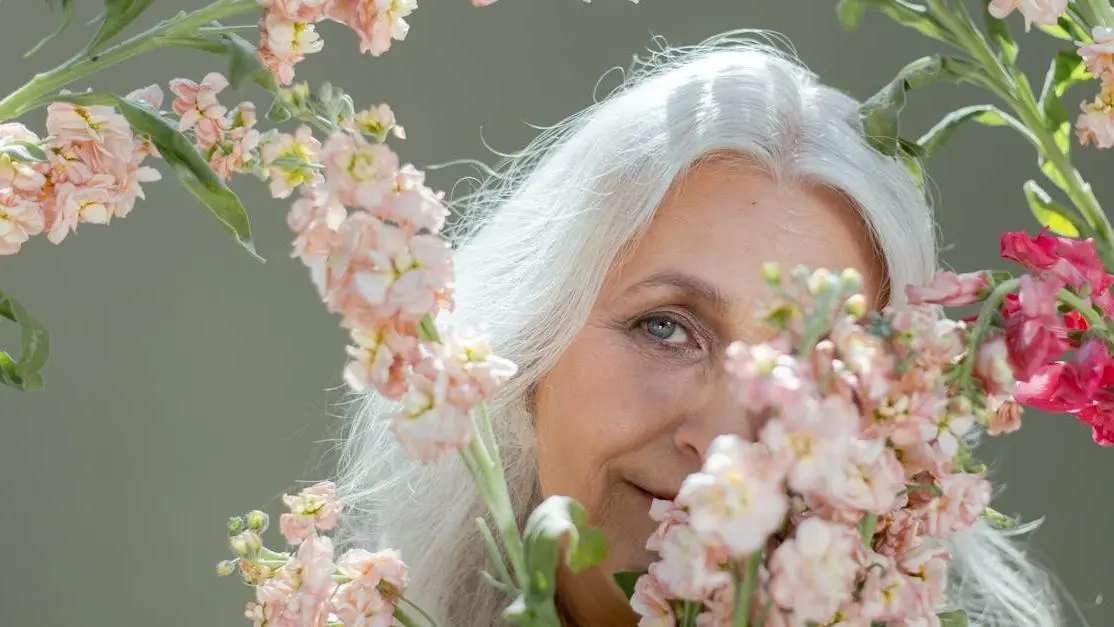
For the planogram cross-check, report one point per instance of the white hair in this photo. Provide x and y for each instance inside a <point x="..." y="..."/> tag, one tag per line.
<point x="536" y="242"/>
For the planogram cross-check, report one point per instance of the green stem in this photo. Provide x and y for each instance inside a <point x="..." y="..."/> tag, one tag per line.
<point x="48" y="83"/>
<point x="418" y="608"/>
<point x="744" y="588"/>
<point x="403" y="618"/>
<point x="1099" y="12"/>
<point x="988" y="308"/>
<point x="1095" y="321"/>
<point x="231" y="28"/>
<point x="866" y="528"/>
<point x="494" y="554"/>
<point x="1025" y="106"/>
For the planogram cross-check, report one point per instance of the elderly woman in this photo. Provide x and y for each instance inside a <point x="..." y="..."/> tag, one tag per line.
<point x="614" y="261"/>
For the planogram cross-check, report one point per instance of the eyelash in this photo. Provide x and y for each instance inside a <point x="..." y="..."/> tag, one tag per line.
<point x="692" y="330"/>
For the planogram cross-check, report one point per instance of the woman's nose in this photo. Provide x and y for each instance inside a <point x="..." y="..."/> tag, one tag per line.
<point x="717" y="414"/>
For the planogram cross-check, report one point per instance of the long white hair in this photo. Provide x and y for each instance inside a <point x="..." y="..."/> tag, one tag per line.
<point x="534" y="245"/>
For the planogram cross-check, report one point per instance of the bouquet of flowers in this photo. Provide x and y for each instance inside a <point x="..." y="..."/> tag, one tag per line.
<point x="834" y="515"/>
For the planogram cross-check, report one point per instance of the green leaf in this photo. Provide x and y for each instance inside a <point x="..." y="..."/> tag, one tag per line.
<point x="1055" y="216"/>
<point x="115" y="17"/>
<point x="67" y="17"/>
<point x="1066" y="69"/>
<point x="880" y="112"/>
<point x="242" y="61"/>
<point x="1005" y="46"/>
<point x="626" y="579"/>
<point x="20" y="150"/>
<point x="987" y="115"/>
<point x="1052" y="173"/>
<point x="957" y="618"/>
<point x="33" y="351"/>
<point x="905" y="13"/>
<point x="191" y="168"/>
<point x="998" y="519"/>
<point x="1065" y="28"/>
<point x="558" y="521"/>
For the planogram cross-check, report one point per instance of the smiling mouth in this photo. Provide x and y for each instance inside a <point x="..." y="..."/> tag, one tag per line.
<point x="654" y="494"/>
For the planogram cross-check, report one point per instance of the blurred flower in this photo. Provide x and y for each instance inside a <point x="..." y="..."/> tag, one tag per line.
<point x="949" y="289"/>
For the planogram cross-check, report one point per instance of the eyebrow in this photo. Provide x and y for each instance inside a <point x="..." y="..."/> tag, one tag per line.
<point x="695" y="286"/>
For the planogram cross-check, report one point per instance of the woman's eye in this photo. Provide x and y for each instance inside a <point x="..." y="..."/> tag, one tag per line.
<point x="666" y="330"/>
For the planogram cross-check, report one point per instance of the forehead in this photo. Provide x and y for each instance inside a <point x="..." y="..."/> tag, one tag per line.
<point x="722" y="220"/>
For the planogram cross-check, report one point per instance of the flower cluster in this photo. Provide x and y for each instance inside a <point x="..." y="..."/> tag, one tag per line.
<point x="87" y="170"/>
<point x="367" y="227"/>
<point x="1060" y="355"/>
<point x="309" y="586"/>
<point x="837" y="513"/>
<point x="287" y="31"/>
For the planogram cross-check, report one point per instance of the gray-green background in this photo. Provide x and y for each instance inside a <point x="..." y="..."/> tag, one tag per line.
<point x="190" y="382"/>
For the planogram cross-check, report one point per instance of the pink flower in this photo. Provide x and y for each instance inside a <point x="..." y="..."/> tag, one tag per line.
<point x="429" y="424"/>
<point x="651" y="602"/>
<point x="374" y="582"/>
<point x="888" y="594"/>
<point x="283" y="43"/>
<point x="398" y="274"/>
<point x="964" y="498"/>
<point x="1045" y="12"/>
<point x="296" y="10"/>
<point x="871" y="480"/>
<point x="1069" y="385"/>
<point x="813" y="437"/>
<point x="380" y="359"/>
<point x="1100" y="416"/>
<point x="1073" y="261"/>
<point x="898" y="532"/>
<point x="1034" y="331"/>
<point x="23" y="176"/>
<point x="1095" y="125"/>
<point x="105" y="131"/>
<point x="414" y="206"/>
<point x="78" y="204"/>
<point x="928" y="568"/>
<point x="689" y="568"/>
<point x="992" y="366"/>
<point x="198" y="106"/>
<point x="360" y="173"/>
<point x="314" y="217"/>
<point x="475" y="373"/>
<point x="950" y="289"/>
<point x="377" y="121"/>
<point x="150" y="95"/>
<point x="20" y="218"/>
<point x="668" y="515"/>
<point x="1099" y="56"/>
<point x="271" y="598"/>
<point x="312" y="571"/>
<point x="313" y="508"/>
<point x="1006" y="418"/>
<point x="377" y="22"/>
<point x="737" y="499"/>
<point x="763" y="376"/>
<point x="866" y="357"/>
<point x="290" y="161"/>
<point x="814" y="572"/>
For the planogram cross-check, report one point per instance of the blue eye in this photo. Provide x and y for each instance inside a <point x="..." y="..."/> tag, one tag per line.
<point x="665" y="329"/>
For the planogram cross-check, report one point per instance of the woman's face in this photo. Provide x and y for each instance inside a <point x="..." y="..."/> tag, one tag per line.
<point x="634" y="401"/>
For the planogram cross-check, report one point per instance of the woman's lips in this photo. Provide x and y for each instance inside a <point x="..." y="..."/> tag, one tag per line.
<point x="661" y="495"/>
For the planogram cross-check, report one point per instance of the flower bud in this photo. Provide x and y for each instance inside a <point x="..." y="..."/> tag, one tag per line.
<point x="855" y="306"/>
<point x="235" y="525"/>
<point x="246" y="543"/>
<point x="851" y="280"/>
<point x="226" y="568"/>
<point x="771" y="271"/>
<point x="820" y="282"/>
<point x="257" y="521"/>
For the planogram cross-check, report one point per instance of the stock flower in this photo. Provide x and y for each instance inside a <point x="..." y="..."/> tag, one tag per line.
<point x="651" y="602"/>
<point x="992" y="366"/>
<point x="377" y="121"/>
<point x="475" y="372"/>
<point x="398" y="274"/>
<point x="314" y="218"/>
<point x="359" y="172"/>
<point x="289" y="160"/>
<point x="1099" y="56"/>
<point x="414" y="206"/>
<point x="667" y="515"/>
<point x="311" y="570"/>
<point x="1100" y="417"/>
<point x="99" y="128"/>
<point x="690" y="568"/>
<point x="963" y="499"/>
<point x="23" y="176"/>
<point x="814" y="572"/>
<point x="78" y="204"/>
<point x="377" y="22"/>
<point x="373" y="583"/>
<point x="428" y="424"/>
<point x="763" y="376"/>
<point x="313" y="508"/>
<point x="737" y="499"/>
<point x="296" y="10"/>
<point x="20" y="218"/>
<point x="1095" y="124"/>
<point x="888" y="594"/>
<point x="868" y="481"/>
<point x="927" y="566"/>
<point x="380" y="357"/>
<point x="198" y="106"/>
<point x="814" y="437"/>
<point x="269" y="606"/>
<point x="949" y="289"/>
<point x="1034" y="331"/>
<point x="284" y="43"/>
<point x="1044" y="12"/>
<point x="1006" y="418"/>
